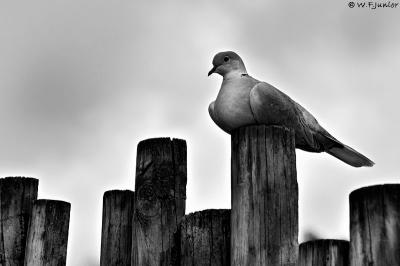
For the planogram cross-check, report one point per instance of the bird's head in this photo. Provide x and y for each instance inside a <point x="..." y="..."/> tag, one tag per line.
<point x="225" y="63"/>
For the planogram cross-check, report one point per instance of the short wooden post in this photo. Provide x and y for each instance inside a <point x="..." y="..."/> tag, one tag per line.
<point x="17" y="195"/>
<point x="264" y="219"/>
<point x="204" y="239"/>
<point x="324" y="252"/>
<point x="160" y="199"/>
<point x="375" y="226"/>
<point x="116" y="233"/>
<point x="48" y="233"/>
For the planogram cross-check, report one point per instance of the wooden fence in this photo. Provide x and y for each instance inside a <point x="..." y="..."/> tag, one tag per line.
<point x="32" y="232"/>
<point x="149" y="227"/>
<point x="262" y="227"/>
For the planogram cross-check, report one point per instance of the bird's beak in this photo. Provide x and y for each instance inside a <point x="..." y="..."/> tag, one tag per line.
<point x="212" y="70"/>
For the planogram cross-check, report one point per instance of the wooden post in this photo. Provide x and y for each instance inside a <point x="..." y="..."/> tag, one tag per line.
<point x="17" y="195"/>
<point x="48" y="233"/>
<point x="116" y="236"/>
<point x="264" y="219"/>
<point x="203" y="239"/>
<point x="160" y="199"/>
<point x="375" y="226"/>
<point x="324" y="252"/>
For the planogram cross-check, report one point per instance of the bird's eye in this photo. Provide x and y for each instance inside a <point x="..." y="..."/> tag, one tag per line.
<point x="226" y="58"/>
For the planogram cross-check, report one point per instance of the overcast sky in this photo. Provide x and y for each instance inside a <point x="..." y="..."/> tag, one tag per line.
<point x="82" y="82"/>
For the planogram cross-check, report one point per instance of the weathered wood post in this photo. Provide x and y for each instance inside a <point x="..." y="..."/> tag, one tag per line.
<point x="203" y="239"/>
<point x="264" y="219"/>
<point x="116" y="233"/>
<point x="48" y="233"/>
<point x="160" y="192"/>
<point x="324" y="252"/>
<point x="17" y="195"/>
<point x="375" y="226"/>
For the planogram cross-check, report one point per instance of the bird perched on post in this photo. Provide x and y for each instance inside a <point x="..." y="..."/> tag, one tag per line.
<point x="243" y="100"/>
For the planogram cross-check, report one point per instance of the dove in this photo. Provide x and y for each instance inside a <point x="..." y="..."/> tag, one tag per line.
<point x="243" y="100"/>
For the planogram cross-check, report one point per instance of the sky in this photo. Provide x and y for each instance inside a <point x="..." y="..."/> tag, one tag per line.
<point x="82" y="82"/>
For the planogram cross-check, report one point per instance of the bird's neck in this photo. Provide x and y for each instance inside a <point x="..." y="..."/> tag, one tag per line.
<point x="235" y="74"/>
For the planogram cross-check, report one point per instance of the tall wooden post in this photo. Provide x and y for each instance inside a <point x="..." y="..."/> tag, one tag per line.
<point x="324" y="252"/>
<point x="264" y="219"/>
<point x="17" y="195"/>
<point x="204" y="239"/>
<point x="48" y="233"/>
<point x="116" y="234"/>
<point x="375" y="226"/>
<point x="160" y="199"/>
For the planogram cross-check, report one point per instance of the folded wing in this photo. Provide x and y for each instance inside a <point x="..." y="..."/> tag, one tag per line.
<point x="270" y="106"/>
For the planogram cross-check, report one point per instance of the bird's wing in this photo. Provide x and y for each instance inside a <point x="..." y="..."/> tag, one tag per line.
<point x="330" y="144"/>
<point x="321" y="139"/>
<point x="272" y="107"/>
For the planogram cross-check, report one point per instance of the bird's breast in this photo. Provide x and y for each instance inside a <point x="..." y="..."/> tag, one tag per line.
<point x="232" y="106"/>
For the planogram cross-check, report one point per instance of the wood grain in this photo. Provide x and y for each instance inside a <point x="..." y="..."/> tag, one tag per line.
<point x="17" y="195"/>
<point x="48" y="233"/>
<point x="264" y="219"/>
<point x="203" y="239"/>
<point x="160" y="192"/>
<point x="324" y="252"/>
<point x="375" y="226"/>
<point x="116" y="236"/>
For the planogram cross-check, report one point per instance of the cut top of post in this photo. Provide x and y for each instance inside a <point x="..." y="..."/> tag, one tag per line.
<point x="272" y="134"/>
<point x="155" y="145"/>
<point x="51" y="202"/>
<point x="117" y="192"/>
<point x="374" y="190"/>
<point x="19" y="179"/>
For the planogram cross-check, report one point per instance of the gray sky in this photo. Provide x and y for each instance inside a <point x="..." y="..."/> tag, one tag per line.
<point x="82" y="82"/>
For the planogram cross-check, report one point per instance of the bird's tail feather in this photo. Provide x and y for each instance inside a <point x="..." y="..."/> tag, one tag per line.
<point x="350" y="156"/>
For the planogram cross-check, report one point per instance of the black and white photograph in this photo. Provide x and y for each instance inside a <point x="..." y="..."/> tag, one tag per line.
<point x="177" y="133"/>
